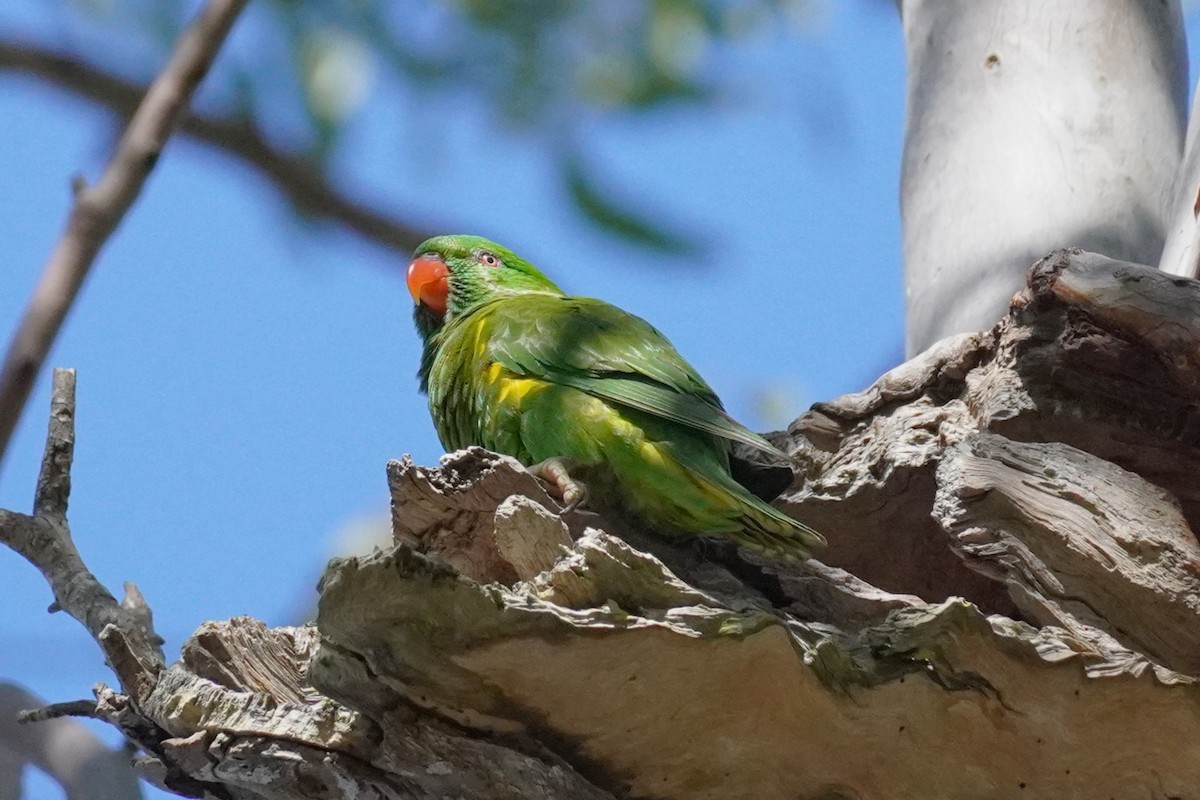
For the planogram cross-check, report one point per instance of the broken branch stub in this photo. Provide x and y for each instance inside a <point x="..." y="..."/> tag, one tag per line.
<point x="654" y="688"/>
<point x="1008" y="601"/>
<point x="976" y="470"/>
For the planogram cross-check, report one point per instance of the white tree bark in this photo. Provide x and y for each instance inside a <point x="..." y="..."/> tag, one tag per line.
<point x="1181" y="253"/>
<point x="1032" y="125"/>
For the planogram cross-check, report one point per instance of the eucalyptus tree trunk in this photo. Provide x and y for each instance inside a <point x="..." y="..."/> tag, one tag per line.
<point x="1032" y="125"/>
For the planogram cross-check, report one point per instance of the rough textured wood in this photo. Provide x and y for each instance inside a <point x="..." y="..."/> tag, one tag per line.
<point x="1007" y="607"/>
<point x="528" y="536"/>
<point x="245" y="655"/>
<point x="1078" y="541"/>
<point x="748" y="703"/>
<point x="1079" y="366"/>
<point x="1062" y="367"/>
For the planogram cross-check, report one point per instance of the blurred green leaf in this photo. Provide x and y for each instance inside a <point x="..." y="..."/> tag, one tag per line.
<point x="613" y="215"/>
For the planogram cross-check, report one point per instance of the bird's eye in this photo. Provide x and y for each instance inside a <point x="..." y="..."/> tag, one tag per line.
<point x="489" y="259"/>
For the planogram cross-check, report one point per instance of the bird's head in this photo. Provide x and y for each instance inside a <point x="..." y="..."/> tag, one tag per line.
<point x="450" y="275"/>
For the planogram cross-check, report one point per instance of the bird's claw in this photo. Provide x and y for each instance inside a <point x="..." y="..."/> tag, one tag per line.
<point x="556" y="472"/>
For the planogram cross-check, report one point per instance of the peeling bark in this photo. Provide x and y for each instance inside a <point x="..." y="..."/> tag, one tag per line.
<point x="1008" y="606"/>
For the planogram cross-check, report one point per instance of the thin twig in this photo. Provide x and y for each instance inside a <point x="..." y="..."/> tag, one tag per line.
<point x="297" y="176"/>
<point x="72" y="708"/>
<point x="133" y="649"/>
<point x="98" y="210"/>
<point x="61" y="748"/>
<point x="54" y="480"/>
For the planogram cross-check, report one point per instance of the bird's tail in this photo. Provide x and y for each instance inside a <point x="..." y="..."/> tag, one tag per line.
<point x="755" y="524"/>
<point x="769" y="531"/>
<point x="704" y="498"/>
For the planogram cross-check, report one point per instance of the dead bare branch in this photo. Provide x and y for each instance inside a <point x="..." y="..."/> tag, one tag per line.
<point x="44" y="539"/>
<point x="62" y="748"/>
<point x="1012" y="567"/>
<point x="70" y="708"/>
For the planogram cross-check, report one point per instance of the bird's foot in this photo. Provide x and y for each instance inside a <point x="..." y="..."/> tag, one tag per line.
<point x="556" y="472"/>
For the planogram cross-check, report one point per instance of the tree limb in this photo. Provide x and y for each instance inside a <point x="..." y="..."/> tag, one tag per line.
<point x="44" y="539"/>
<point x="71" y="708"/>
<point x="62" y="748"/>
<point x="98" y="209"/>
<point x="1012" y="566"/>
<point x="300" y="180"/>
<point x="238" y="717"/>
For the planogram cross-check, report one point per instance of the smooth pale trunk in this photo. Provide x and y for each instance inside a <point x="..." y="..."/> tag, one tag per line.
<point x="1181" y="253"/>
<point x="1032" y="125"/>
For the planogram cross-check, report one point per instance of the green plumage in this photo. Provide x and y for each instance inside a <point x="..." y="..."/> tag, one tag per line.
<point x="516" y="366"/>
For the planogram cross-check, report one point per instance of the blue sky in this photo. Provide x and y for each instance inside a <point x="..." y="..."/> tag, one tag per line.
<point x="243" y="381"/>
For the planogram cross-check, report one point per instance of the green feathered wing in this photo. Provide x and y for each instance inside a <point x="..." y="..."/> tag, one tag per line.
<point x="542" y="375"/>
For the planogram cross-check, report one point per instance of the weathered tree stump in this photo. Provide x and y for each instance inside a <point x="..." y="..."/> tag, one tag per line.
<point x="1009" y="605"/>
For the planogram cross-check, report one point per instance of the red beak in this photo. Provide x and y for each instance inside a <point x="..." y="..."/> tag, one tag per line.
<point x="427" y="282"/>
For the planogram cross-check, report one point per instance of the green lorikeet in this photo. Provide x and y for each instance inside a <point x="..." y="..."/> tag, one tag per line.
<point x="584" y="393"/>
